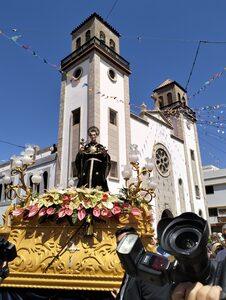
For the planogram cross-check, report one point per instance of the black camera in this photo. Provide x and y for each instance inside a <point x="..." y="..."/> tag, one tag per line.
<point x="185" y="238"/>
<point x="7" y="254"/>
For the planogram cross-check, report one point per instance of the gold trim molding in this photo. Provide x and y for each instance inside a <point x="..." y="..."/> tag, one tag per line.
<point x="87" y="263"/>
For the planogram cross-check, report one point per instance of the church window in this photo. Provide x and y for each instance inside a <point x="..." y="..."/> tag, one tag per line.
<point x="213" y="212"/>
<point x="76" y="116"/>
<point x="114" y="169"/>
<point x="45" y="180"/>
<point x="162" y="161"/>
<point x="200" y="212"/>
<point x="161" y="103"/>
<point x="113" y="116"/>
<point x="0" y="192"/>
<point x="74" y="170"/>
<point x="209" y="189"/>
<point x="77" y="73"/>
<point x="192" y="154"/>
<point x="31" y="183"/>
<point x="112" y="75"/>
<point x="169" y="98"/>
<point x="88" y="34"/>
<point x="179" y="97"/>
<point x="112" y="45"/>
<point x="180" y="181"/>
<point x="197" y="191"/>
<point x="102" y="37"/>
<point x="78" y="43"/>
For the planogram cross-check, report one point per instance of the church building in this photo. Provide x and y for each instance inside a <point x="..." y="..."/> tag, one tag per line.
<point x="95" y="92"/>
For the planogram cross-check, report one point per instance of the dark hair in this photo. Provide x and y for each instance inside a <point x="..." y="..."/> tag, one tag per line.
<point x="126" y="229"/>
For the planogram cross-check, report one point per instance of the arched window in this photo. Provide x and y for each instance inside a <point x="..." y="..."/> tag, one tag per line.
<point x="0" y="191"/>
<point x="31" y="183"/>
<point x="200" y="213"/>
<point x="179" y="97"/>
<point x="78" y="43"/>
<point x="161" y="103"/>
<point x="112" y="45"/>
<point x="166" y="214"/>
<point x="45" y="180"/>
<point x="169" y="98"/>
<point x="102" y="37"/>
<point x="88" y="34"/>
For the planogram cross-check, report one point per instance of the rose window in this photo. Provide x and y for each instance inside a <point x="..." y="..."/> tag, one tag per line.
<point x="162" y="161"/>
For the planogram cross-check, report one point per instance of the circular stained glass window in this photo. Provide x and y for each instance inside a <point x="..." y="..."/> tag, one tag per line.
<point x="162" y="161"/>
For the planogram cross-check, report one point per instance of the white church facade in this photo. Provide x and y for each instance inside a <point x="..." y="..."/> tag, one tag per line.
<point x="95" y="92"/>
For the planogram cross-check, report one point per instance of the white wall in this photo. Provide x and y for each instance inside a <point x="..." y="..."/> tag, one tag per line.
<point x="112" y="89"/>
<point x="146" y="137"/>
<point x="189" y="130"/>
<point x="75" y="97"/>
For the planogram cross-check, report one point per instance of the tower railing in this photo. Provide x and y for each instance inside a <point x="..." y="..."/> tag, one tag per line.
<point x="99" y="43"/>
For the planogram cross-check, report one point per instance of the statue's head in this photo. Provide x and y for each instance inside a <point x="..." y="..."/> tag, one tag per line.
<point x="93" y="133"/>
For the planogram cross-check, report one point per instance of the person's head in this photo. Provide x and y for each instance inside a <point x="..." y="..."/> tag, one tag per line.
<point x="224" y="231"/>
<point x="93" y="133"/>
<point x="121" y="232"/>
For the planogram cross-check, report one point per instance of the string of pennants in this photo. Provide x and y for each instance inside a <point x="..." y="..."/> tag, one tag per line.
<point x="16" y="40"/>
<point x="208" y="83"/>
<point x="16" y="37"/>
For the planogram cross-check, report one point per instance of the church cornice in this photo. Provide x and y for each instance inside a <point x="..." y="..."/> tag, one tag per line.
<point x="98" y="17"/>
<point x="164" y="121"/>
<point x="95" y="44"/>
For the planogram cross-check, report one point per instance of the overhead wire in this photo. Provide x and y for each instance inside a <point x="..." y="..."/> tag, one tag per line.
<point x="111" y="10"/>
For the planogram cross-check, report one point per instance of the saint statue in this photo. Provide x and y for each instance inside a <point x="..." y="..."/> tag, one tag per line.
<point x="93" y="163"/>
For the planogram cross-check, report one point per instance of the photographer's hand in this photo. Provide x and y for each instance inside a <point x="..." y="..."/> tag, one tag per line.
<point x="196" y="291"/>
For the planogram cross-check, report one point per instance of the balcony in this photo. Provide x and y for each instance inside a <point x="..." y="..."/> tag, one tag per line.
<point x="100" y="45"/>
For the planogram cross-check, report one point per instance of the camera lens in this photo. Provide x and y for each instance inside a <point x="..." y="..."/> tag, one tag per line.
<point x="186" y="240"/>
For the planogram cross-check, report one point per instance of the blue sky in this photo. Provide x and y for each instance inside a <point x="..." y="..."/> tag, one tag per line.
<point x="30" y="89"/>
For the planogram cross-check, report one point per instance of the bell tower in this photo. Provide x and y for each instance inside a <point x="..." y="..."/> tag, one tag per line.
<point x="171" y="100"/>
<point x="94" y="92"/>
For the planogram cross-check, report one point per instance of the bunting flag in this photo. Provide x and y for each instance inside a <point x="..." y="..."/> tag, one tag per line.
<point x="207" y="83"/>
<point x="15" y="38"/>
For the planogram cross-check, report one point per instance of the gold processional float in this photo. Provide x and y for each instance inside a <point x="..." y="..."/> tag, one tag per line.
<point x="65" y="239"/>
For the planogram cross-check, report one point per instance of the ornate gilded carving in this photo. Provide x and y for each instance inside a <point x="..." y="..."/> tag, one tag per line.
<point x="85" y="262"/>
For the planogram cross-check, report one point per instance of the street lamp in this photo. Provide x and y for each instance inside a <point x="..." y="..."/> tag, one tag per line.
<point x="143" y="186"/>
<point x="19" y="165"/>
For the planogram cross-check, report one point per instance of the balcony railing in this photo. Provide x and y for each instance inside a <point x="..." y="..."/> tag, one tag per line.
<point x="102" y="45"/>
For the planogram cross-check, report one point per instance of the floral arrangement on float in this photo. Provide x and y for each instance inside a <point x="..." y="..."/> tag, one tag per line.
<point x="80" y="204"/>
<point x="76" y="204"/>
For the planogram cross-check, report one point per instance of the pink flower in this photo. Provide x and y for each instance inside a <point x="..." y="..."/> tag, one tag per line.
<point x="61" y="212"/>
<point x="65" y="210"/>
<point x="81" y="214"/>
<point x="104" y="197"/>
<point x="18" y="211"/>
<point x="66" y="198"/>
<point x="116" y="210"/>
<point x="68" y="211"/>
<point x="33" y="210"/>
<point x="50" y="211"/>
<point x="135" y="211"/>
<point x="104" y="212"/>
<point x="42" y="212"/>
<point x="96" y="212"/>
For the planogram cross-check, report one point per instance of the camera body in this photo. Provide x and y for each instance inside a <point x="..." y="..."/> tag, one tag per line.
<point x="7" y="254"/>
<point x="185" y="238"/>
